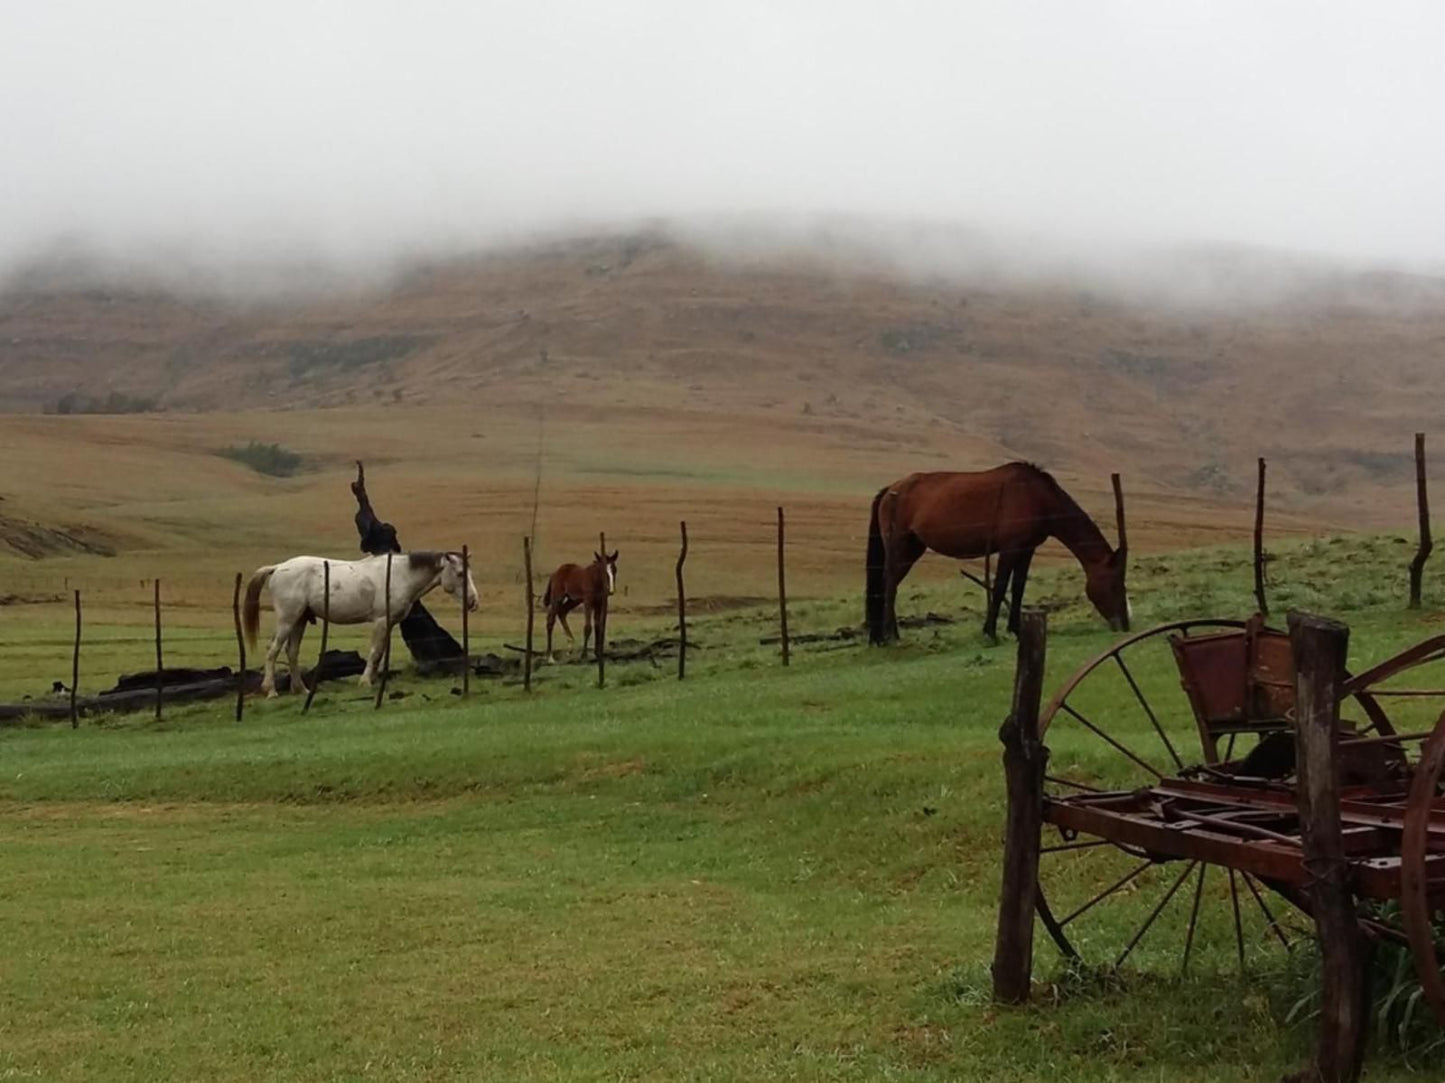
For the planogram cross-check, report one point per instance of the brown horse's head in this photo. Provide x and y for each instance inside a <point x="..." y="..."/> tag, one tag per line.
<point x="1104" y="584"/>
<point x="609" y="564"/>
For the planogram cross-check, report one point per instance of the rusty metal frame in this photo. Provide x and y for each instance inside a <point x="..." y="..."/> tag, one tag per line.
<point x="1394" y="830"/>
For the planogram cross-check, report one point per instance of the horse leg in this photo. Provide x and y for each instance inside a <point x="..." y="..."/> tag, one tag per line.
<point x="551" y="622"/>
<point x="1020" y="579"/>
<point x="373" y="656"/>
<point x="293" y="655"/>
<point x="586" y="627"/>
<point x="901" y="553"/>
<point x="268" y="676"/>
<point x="1002" y="574"/>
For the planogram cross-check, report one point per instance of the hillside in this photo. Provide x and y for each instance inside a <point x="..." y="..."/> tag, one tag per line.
<point x="1328" y="387"/>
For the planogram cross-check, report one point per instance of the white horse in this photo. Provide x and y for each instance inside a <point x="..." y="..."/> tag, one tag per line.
<point x="358" y="596"/>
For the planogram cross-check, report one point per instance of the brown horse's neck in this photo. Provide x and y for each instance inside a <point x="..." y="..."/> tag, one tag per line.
<point x="1079" y="534"/>
<point x="596" y="573"/>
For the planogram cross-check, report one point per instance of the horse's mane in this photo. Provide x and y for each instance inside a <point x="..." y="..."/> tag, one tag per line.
<point x="1040" y="472"/>
<point x="1063" y="494"/>
<point x="430" y="559"/>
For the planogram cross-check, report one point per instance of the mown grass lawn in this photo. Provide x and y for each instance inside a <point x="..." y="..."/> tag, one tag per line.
<point x="758" y="874"/>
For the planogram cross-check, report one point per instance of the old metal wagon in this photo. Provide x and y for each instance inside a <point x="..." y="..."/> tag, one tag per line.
<point x="1247" y="752"/>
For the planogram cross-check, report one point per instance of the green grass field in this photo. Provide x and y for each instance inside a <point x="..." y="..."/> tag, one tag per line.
<point x="761" y="873"/>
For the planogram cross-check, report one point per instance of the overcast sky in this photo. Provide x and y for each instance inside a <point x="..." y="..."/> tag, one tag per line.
<point x="363" y="127"/>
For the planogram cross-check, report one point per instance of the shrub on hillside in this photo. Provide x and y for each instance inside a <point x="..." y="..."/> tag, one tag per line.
<point x="270" y="459"/>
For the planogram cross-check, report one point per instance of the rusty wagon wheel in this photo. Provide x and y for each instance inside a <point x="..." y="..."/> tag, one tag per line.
<point x="1172" y="701"/>
<point x="1421" y="900"/>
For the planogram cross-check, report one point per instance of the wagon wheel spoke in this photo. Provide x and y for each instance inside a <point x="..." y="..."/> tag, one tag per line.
<point x="1193" y="918"/>
<point x="1148" y="710"/>
<point x="1066" y="846"/>
<point x="1154" y="914"/>
<point x="1122" y="882"/>
<point x="1274" y="926"/>
<point x="1238" y="920"/>
<point x="1124" y="750"/>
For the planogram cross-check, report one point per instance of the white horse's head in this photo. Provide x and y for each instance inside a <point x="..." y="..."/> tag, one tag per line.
<point x="452" y="580"/>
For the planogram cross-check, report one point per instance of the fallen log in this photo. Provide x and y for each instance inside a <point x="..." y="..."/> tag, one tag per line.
<point x="137" y="692"/>
<point x="480" y="665"/>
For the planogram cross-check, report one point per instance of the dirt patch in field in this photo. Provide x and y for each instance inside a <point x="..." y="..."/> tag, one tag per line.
<point x="30" y="599"/>
<point x="709" y="603"/>
<point x="616" y="769"/>
<point x="36" y="541"/>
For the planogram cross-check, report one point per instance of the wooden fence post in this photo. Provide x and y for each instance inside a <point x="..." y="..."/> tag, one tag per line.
<point x="466" y="636"/>
<point x="782" y="589"/>
<point x="386" y="651"/>
<point x="1259" y="596"/>
<point x="241" y="648"/>
<point x="75" y="666"/>
<point x="325" y="632"/>
<point x="1427" y="543"/>
<point x="160" y="665"/>
<point x="527" y="658"/>
<point x="1024" y="757"/>
<point x="681" y="607"/>
<point x="1319" y="647"/>
<point x="599" y="637"/>
<point x="1120" y="528"/>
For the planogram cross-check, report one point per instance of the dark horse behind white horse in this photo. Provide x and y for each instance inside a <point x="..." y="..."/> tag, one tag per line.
<point x="358" y="596"/>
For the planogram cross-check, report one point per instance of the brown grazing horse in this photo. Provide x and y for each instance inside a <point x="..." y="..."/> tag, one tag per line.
<point x="1009" y="510"/>
<point x="572" y="585"/>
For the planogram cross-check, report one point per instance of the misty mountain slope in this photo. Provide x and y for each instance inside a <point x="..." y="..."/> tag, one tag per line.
<point x="1329" y="380"/>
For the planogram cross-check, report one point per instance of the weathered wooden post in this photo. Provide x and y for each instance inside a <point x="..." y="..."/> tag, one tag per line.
<point x="75" y="666"/>
<point x="782" y="589"/>
<point x="681" y="607"/>
<point x="1024" y="758"/>
<point x="1427" y="543"/>
<point x="1259" y="597"/>
<point x="386" y="650"/>
<point x="160" y="665"/>
<point x="241" y="649"/>
<point x="1319" y="647"/>
<point x="599" y="635"/>
<point x="531" y="605"/>
<point x="1119" y="525"/>
<point x="466" y="636"/>
<point x="325" y="631"/>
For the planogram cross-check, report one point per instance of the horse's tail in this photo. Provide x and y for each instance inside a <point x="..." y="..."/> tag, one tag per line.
<point x="547" y="594"/>
<point x="873" y="594"/>
<point x="251" y="611"/>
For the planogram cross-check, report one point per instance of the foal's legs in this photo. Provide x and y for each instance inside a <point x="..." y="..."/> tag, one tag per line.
<point x="557" y="612"/>
<point x="1020" y="579"/>
<point x="293" y="655"/>
<point x="586" y="626"/>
